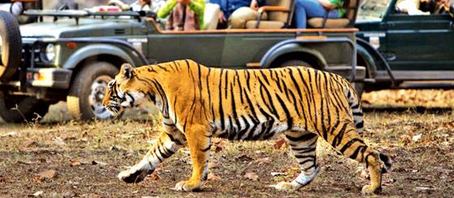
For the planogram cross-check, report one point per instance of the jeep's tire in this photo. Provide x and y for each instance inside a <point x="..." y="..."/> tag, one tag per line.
<point x="88" y="89"/>
<point x="295" y="62"/>
<point x="17" y="109"/>
<point x="10" y="44"/>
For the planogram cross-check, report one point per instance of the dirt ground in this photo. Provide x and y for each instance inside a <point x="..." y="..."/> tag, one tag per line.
<point x="62" y="158"/>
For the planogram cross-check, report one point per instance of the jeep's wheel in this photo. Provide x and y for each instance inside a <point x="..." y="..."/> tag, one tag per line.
<point x="88" y="89"/>
<point x="10" y="45"/>
<point x="18" y="109"/>
<point x="295" y="62"/>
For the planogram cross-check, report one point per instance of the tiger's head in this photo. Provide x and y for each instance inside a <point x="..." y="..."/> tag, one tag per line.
<point x="125" y="91"/>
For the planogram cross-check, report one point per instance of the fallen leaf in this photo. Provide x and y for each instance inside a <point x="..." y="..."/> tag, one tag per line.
<point x="212" y="165"/>
<point x="265" y="160"/>
<point x="24" y="162"/>
<point x="29" y="143"/>
<point x="213" y="177"/>
<point x="252" y="176"/>
<point x="49" y="174"/>
<point x="75" y="163"/>
<point x="155" y="176"/>
<point x="37" y="180"/>
<point x="279" y="143"/>
<point x="244" y="157"/>
<point x="218" y="144"/>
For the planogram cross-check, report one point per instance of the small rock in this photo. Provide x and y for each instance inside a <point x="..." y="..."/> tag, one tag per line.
<point x="252" y="176"/>
<point x="49" y="174"/>
<point x="424" y="189"/>
<point x="94" y="162"/>
<point x="416" y="137"/>
<point x="38" y="193"/>
<point x="278" y="174"/>
<point x="9" y="134"/>
<point x="60" y="141"/>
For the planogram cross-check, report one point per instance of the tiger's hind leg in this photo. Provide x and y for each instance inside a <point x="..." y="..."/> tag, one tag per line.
<point x="347" y="140"/>
<point x="167" y="144"/>
<point x="303" y="145"/>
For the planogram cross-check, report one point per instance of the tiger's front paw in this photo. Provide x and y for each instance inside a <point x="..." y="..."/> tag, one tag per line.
<point x="188" y="186"/>
<point x="285" y="186"/>
<point x="368" y="190"/>
<point x="129" y="176"/>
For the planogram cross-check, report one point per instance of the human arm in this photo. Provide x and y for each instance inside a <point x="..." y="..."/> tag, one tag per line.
<point x="198" y="6"/>
<point x="330" y="4"/>
<point x="254" y="5"/>
<point x="167" y="8"/>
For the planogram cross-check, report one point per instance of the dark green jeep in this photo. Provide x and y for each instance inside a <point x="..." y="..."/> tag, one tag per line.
<point x="416" y="50"/>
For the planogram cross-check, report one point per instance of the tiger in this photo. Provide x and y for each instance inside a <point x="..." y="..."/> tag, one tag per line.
<point x="199" y="102"/>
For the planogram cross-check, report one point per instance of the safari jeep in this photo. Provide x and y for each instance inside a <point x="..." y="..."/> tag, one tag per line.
<point x="404" y="51"/>
<point x="71" y="55"/>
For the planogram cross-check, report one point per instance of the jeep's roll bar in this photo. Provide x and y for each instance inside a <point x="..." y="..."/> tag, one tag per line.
<point x="76" y="14"/>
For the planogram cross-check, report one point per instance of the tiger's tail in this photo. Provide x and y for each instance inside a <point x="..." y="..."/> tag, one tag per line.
<point x="357" y="112"/>
<point x="387" y="162"/>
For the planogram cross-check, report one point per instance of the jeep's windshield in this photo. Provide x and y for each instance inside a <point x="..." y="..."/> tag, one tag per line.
<point x="372" y="10"/>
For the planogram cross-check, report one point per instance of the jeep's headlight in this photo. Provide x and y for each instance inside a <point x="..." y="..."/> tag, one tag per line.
<point x="50" y="52"/>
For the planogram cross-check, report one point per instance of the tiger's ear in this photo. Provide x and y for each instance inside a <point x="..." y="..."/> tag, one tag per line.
<point x="126" y="70"/>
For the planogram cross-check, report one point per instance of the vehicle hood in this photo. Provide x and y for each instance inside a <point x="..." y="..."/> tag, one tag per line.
<point x="68" y="28"/>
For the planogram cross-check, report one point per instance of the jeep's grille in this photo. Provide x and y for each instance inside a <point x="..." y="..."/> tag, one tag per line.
<point x="27" y="54"/>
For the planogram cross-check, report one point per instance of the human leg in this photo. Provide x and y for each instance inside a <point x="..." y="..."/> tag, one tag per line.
<point x="240" y="16"/>
<point x="310" y="8"/>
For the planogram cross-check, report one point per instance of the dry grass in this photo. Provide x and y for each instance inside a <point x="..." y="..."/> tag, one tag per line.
<point x="87" y="156"/>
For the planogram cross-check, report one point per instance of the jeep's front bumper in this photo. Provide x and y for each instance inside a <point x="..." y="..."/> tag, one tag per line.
<point x="55" y="78"/>
<point x="49" y="77"/>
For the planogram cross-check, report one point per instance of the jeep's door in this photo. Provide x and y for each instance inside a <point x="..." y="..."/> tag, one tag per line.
<point x="419" y="42"/>
<point x="245" y="47"/>
<point x="205" y="48"/>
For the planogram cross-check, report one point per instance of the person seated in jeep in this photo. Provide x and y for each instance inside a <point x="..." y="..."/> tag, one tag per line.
<point x="183" y="14"/>
<point x="140" y="5"/>
<point x="235" y="13"/>
<point x="423" y="7"/>
<point x="317" y="8"/>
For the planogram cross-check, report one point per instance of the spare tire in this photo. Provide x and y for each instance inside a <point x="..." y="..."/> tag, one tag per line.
<point x="10" y="45"/>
